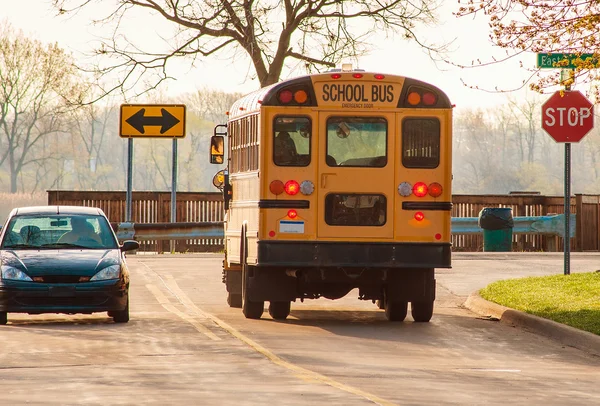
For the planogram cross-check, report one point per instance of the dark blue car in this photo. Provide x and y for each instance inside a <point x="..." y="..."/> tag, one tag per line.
<point x="62" y="259"/>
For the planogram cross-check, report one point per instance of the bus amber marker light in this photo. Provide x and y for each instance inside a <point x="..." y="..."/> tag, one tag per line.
<point x="414" y="98"/>
<point x="276" y="187"/>
<point x="300" y="97"/>
<point x="420" y="189"/>
<point x="292" y="187"/>
<point x="435" y="189"/>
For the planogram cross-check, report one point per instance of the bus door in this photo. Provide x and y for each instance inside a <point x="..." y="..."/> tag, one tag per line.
<point x="356" y="175"/>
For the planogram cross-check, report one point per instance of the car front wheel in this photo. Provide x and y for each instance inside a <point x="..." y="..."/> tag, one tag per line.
<point x="121" y="316"/>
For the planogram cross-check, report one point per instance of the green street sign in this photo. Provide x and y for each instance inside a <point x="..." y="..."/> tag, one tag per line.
<point x="565" y="61"/>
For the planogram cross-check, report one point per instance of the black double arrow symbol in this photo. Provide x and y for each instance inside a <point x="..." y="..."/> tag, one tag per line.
<point x="166" y="121"/>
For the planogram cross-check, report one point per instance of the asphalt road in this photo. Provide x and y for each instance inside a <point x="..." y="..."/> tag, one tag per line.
<point x="184" y="346"/>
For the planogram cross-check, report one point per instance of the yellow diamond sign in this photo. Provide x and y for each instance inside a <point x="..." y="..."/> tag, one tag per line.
<point x="152" y="120"/>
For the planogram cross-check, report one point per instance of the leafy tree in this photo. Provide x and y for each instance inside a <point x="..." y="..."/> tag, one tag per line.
<point x="37" y="84"/>
<point x="541" y="26"/>
<point x="273" y="35"/>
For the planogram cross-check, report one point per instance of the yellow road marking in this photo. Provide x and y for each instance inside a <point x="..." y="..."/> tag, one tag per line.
<point x="164" y="301"/>
<point x="300" y="372"/>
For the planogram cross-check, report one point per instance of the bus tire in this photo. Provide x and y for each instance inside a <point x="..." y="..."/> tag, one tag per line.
<point x="251" y="310"/>
<point x="3" y="318"/>
<point x="280" y="310"/>
<point x="234" y="300"/>
<point x="421" y="311"/>
<point x="380" y="304"/>
<point x="395" y="310"/>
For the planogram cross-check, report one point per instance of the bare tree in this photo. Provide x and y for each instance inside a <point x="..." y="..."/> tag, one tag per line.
<point x="36" y="85"/>
<point x="526" y="125"/>
<point x="274" y="35"/>
<point x="555" y="26"/>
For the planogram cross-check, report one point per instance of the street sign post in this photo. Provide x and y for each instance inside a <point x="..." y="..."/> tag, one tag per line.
<point x="567" y="116"/>
<point x="152" y="120"/>
<point x="566" y="61"/>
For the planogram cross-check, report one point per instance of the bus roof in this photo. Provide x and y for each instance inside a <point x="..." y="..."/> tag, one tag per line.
<point x="268" y="96"/>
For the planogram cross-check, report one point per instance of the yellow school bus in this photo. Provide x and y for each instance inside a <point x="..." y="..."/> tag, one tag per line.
<point x="337" y="181"/>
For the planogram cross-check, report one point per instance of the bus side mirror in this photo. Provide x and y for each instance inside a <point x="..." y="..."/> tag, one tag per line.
<point x="217" y="149"/>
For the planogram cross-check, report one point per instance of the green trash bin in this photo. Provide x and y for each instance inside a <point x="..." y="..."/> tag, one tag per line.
<point x="497" y="224"/>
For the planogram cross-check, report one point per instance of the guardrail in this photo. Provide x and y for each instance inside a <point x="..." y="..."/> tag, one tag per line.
<point x="548" y="225"/>
<point x="168" y="231"/>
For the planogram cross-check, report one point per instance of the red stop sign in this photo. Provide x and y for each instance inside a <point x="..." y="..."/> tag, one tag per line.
<point x="567" y="118"/>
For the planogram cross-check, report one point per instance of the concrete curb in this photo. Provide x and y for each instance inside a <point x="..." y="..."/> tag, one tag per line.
<point x="566" y="335"/>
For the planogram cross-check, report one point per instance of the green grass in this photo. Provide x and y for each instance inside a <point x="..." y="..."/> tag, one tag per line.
<point x="573" y="299"/>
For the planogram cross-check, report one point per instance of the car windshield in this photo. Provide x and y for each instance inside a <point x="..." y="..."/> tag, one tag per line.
<point x="58" y="231"/>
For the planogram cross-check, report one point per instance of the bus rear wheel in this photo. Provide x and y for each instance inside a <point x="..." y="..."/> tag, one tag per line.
<point x="251" y="310"/>
<point x="421" y="311"/>
<point x="395" y="310"/>
<point x="234" y="299"/>
<point x="280" y="310"/>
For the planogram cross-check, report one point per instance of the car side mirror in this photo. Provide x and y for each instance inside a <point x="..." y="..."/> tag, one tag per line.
<point x="130" y="245"/>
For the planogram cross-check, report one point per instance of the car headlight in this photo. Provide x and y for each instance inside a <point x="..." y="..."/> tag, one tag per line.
<point x="110" y="272"/>
<point x="9" y="272"/>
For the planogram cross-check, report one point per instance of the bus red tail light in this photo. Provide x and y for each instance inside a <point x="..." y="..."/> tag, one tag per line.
<point x="435" y="189"/>
<point x="420" y="189"/>
<point x="419" y="216"/>
<point x="292" y="214"/>
<point x="429" y="99"/>
<point x="276" y="187"/>
<point x="292" y="187"/>
<point x="357" y="75"/>
<point x="336" y="75"/>
<point x="285" y="96"/>
<point x="379" y="76"/>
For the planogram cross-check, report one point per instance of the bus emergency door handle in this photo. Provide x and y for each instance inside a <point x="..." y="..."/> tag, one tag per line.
<point x="324" y="178"/>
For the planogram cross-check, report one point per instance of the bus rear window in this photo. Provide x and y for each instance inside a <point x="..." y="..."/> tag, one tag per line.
<point x="356" y="141"/>
<point x="421" y="143"/>
<point x="355" y="209"/>
<point x="291" y="141"/>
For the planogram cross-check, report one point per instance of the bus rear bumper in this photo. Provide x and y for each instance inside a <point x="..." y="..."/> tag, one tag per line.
<point x="354" y="254"/>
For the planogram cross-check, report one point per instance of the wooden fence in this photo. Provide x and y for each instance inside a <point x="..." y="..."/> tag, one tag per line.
<point x="153" y="207"/>
<point x="587" y="208"/>
<point x="150" y="207"/>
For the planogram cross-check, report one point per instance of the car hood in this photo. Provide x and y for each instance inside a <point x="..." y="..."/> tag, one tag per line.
<point x="61" y="262"/>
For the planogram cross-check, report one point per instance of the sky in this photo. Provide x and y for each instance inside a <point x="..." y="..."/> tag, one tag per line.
<point x="389" y="55"/>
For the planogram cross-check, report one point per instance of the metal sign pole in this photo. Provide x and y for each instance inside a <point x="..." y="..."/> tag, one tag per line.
<point x="174" y="191"/>
<point x="128" y="201"/>
<point x="567" y="238"/>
